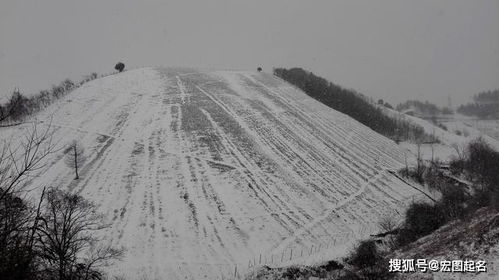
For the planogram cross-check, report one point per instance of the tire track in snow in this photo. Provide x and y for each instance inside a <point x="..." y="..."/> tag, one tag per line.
<point x="391" y="154"/>
<point x="181" y="88"/>
<point x="306" y="228"/>
<point x="252" y="173"/>
<point x="255" y="182"/>
<point x="338" y="130"/>
<point x="335" y="129"/>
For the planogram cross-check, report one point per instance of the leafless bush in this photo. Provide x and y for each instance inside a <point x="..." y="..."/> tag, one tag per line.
<point x="18" y="163"/>
<point x="66" y="240"/>
<point x="389" y="227"/>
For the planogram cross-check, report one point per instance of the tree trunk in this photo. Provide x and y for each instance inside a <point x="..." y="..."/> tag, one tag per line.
<point x="61" y="269"/>
<point x="76" y="162"/>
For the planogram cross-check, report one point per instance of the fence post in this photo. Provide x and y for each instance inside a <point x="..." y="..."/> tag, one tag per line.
<point x="235" y="272"/>
<point x="311" y="250"/>
<point x="260" y="261"/>
<point x="291" y="256"/>
<point x="282" y="256"/>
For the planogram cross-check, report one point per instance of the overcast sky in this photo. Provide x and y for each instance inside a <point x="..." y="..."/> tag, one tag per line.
<point x="396" y="50"/>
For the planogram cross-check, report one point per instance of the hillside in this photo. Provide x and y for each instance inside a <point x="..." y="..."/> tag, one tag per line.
<point x="353" y="104"/>
<point x="200" y="172"/>
<point x="474" y="238"/>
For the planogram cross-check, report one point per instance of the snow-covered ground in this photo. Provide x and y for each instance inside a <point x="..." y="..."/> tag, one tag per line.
<point x="460" y="131"/>
<point x="201" y="172"/>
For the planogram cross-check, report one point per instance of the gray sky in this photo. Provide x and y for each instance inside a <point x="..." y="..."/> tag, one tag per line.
<point x="395" y="50"/>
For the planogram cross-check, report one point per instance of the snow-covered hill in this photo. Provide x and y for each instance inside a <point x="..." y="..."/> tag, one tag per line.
<point x="198" y="172"/>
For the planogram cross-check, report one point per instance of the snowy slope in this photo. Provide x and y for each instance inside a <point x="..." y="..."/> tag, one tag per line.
<point x="198" y="172"/>
<point x="469" y="130"/>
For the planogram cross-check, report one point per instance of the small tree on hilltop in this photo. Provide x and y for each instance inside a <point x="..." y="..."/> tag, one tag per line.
<point x="75" y="157"/>
<point x="120" y="66"/>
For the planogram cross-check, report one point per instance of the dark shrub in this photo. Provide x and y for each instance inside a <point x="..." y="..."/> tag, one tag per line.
<point x="457" y="166"/>
<point x="366" y="254"/>
<point x="452" y="202"/>
<point x="332" y="265"/>
<point x="16" y="256"/>
<point x="259" y="69"/>
<point x="405" y="236"/>
<point x="291" y="273"/>
<point x="423" y="218"/>
<point x="378" y="272"/>
<point x="483" y="162"/>
<point x="57" y="91"/>
<point x="17" y="106"/>
<point x="120" y="66"/>
<point x="349" y="275"/>
<point x="67" y="85"/>
<point x="481" y="198"/>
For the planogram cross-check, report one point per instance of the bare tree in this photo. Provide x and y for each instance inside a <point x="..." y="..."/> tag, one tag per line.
<point x="389" y="226"/>
<point x="12" y="108"/>
<point x="18" y="163"/>
<point x="66" y="238"/>
<point x="419" y="158"/>
<point x="75" y="156"/>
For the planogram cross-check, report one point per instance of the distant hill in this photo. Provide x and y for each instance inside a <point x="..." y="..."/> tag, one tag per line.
<point x="485" y="105"/>
<point x="424" y="110"/>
